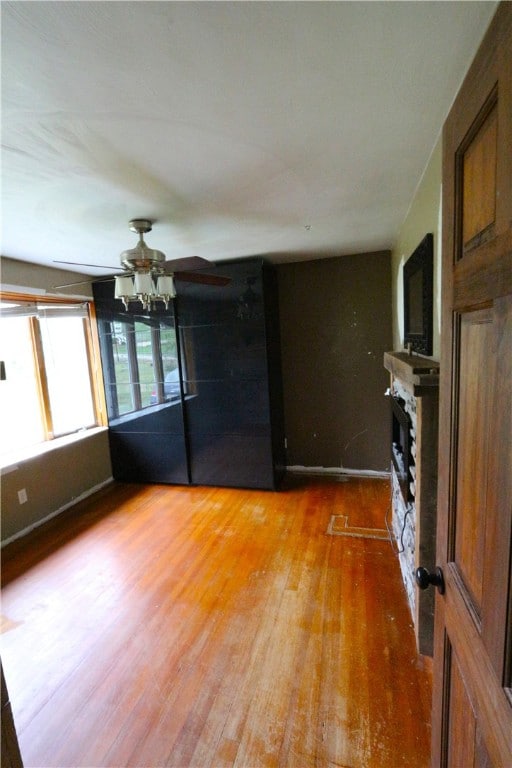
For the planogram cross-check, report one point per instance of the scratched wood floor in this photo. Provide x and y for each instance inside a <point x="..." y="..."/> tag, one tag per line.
<point x="181" y="626"/>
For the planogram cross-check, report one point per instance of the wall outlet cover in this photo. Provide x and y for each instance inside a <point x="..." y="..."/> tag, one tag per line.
<point x="22" y="496"/>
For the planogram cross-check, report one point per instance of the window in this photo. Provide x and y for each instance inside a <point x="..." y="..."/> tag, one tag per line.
<point x="49" y="387"/>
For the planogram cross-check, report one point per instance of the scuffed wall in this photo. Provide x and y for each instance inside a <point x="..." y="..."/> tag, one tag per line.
<point x="335" y="327"/>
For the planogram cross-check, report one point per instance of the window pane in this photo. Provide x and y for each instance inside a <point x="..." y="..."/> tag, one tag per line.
<point x="169" y="353"/>
<point x="139" y="364"/>
<point x="123" y="386"/>
<point x="21" y="424"/>
<point x="145" y="362"/>
<point x="170" y="364"/>
<point x="67" y="372"/>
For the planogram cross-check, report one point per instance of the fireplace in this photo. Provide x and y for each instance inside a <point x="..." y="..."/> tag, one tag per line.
<point x="401" y="445"/>
<point x="414" y="403"/>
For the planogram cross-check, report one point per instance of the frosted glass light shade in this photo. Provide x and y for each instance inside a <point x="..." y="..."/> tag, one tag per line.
<point x="144" y="287"/>
<point x="165" y="286"/>
<point x="123" y="286"/>
<point x="143" y="284"/>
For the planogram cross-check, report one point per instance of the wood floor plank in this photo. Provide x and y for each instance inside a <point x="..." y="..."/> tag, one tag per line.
<point x="179" y="626"/>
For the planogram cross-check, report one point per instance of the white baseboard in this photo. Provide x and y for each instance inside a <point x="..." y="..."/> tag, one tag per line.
<point x="336" y="471"/>
<point x="58" y="511"/>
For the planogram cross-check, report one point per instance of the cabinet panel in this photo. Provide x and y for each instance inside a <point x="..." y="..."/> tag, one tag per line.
<point x="229" y="406"/>
<point x="233" y="460"/>
<point x="225" y="350"/>
<point x="167" y="418"/>
<point x="148" y="457"/>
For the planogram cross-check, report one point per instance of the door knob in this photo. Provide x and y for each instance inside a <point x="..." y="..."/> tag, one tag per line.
<point x="424" y="579"/>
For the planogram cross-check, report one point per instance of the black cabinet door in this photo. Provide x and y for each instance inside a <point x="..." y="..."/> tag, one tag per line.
<point x="224" y="342"/>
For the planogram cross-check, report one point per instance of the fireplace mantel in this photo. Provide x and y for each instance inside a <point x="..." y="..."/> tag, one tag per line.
<point x="420" y="374"/>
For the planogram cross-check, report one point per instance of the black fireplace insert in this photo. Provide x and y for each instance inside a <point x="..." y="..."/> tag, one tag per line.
<point x="401" y="445"/>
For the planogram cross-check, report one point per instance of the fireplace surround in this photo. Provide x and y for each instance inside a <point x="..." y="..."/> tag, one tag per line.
<point x="414" y="402"/>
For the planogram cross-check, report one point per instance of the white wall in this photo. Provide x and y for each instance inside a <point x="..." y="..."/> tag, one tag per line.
<point x="424" y="216"/>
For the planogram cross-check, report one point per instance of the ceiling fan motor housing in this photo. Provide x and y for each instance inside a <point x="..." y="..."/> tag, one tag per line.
<point x="141" y="258"/>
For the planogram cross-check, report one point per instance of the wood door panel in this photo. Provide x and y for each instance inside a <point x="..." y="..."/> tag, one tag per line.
<point x="472" y="697"/>
<point x="472" y="447"/>
<point x="462" y="721"/>
<point x="482" y="756"/>
<point x="497" y="616"/>
<point x="483" y="686"/>
<point x="479" y="184"/>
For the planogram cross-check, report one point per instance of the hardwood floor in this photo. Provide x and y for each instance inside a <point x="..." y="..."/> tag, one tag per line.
<point x="188" y="626"/>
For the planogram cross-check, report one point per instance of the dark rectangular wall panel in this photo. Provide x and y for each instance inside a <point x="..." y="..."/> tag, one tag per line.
<point x="335" y="327"/>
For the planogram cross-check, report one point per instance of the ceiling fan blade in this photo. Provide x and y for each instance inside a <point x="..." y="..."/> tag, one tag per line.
<point x="78" y="264"/>
<point x="83" y="282"/>
<point x="196" y="277"/>
<point x="188" y="263"/>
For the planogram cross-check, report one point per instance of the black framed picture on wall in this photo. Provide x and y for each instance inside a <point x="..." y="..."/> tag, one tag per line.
<point x="418" y="285"/>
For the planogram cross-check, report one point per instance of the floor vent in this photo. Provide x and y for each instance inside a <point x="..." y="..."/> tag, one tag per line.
<point x="338" y="526"/>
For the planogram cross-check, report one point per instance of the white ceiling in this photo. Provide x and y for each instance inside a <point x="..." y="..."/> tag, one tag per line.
<point x="293" y="130"/>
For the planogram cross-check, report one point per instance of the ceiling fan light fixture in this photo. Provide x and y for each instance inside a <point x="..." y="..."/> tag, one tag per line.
<point x="165" y="286"/>
<point x="141" y="287"/>
<point x="148" y="283"/>
<point x="124" y="289"/>
<point x="143" y="284"/>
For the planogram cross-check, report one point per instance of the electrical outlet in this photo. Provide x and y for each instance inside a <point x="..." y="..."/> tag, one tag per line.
<point x="22" y="496"/>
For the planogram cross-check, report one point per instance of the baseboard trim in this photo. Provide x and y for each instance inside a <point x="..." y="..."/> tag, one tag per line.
<point x="336" y="471"/>
<point x="59" y="511"/>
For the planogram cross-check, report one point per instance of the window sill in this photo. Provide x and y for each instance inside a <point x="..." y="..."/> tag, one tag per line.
<point x="9" y="462"/>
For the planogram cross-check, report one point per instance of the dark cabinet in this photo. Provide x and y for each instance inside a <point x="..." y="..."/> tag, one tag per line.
<point x="138" y="352"/>
<point x="214" y="414"/>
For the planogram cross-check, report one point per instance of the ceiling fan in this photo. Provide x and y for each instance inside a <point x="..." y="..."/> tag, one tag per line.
<point x="147" y="276"/>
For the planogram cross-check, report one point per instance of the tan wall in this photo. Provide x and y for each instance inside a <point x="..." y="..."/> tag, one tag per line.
<point x="60" y="475"/>
<point x="53" y="480"/>
<point x="22" y="276"/>
<point x="424" y="216"/>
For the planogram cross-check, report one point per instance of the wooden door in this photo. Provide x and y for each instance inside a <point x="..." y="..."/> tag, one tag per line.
<point x="472" y="704"/>
<point x="10" y="756"/>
